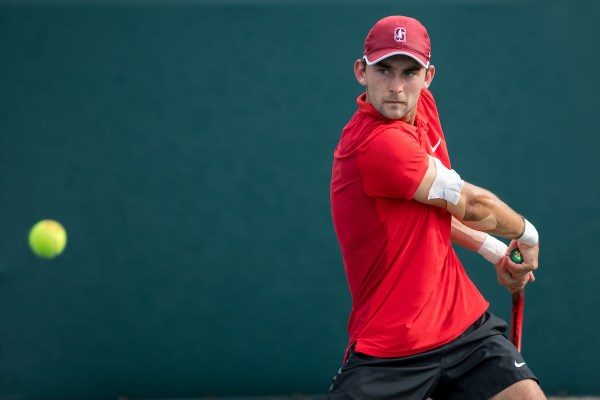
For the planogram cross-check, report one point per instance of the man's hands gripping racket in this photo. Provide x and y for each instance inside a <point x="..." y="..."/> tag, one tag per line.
<point x="518" y="300"/>
<point x="523" y="252"/>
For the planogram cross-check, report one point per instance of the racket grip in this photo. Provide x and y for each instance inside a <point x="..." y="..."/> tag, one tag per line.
<point x="518" y="299"/>
<point x="516" y="323"/>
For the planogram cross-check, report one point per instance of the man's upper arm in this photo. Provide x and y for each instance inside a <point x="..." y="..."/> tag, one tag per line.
<point x="422" y="192"/>
<point x="392" y="164"/>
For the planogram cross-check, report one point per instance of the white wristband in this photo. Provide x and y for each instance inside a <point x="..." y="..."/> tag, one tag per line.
<point x="492" y="249"/>
<point x="530" y="237"/>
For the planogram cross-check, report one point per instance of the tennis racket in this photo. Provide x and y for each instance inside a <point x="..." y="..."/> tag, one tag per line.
<point x="518" y="300"/>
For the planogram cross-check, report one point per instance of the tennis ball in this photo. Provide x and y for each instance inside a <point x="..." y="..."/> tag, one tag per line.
<point x="47" y="238"/>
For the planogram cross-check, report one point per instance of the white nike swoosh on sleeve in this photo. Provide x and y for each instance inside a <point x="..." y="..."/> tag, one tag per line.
<point x="434" y="148"/>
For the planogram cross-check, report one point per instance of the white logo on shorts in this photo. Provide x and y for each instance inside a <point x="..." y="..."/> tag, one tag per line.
<point x="519" y="365"/>
<point x="400" y="35"/>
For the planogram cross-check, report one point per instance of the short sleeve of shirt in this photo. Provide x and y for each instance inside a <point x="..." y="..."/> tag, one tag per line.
<point x="392" y="164"/>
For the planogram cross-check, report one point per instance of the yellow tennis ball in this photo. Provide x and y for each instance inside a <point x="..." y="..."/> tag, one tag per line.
<point x="47" y="238"/>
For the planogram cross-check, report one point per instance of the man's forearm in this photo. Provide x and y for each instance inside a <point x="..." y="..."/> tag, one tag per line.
<point x="488" y="246"/>
<point x="481" y="210"/>
<point x="466" y="237"/>
<point x="475" y="207"/>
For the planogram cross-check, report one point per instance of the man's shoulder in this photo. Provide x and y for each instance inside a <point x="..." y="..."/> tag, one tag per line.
<point x="396" y="134"/>
<point x="426" y="106"/>
<point x="427" y="98"/>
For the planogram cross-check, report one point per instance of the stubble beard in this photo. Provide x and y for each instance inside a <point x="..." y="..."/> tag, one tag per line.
<point x="399" y="111"/>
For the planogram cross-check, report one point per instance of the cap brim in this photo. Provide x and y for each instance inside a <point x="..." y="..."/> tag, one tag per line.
<point x="377" y="56"/>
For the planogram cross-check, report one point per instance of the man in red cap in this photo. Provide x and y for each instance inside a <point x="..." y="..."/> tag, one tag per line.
<point x="419" y="327"/>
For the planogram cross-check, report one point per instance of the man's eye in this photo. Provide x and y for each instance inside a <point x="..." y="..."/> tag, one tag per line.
<point x="410" y="74"/>
<point x="384" y="71"/>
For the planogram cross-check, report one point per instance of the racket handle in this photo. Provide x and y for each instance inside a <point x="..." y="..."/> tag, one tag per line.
<point x="516" y="323"/>
<point x="518" y="299"/>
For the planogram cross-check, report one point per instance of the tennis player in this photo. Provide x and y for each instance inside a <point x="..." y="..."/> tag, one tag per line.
<point x="419" y="327"/>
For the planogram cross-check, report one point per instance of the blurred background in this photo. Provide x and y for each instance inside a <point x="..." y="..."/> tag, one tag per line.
<point x="186" y="146"/>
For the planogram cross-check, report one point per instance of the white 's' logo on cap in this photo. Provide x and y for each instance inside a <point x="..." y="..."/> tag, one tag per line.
<point x="400" y="35"/>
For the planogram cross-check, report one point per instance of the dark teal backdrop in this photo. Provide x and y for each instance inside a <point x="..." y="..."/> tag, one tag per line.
<point x="187" y="150"/>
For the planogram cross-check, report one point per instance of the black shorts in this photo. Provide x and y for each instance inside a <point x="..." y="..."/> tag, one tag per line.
<point x="478" y="364"/>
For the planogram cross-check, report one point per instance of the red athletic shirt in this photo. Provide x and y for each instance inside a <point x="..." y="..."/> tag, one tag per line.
<point x="409" y="291"/>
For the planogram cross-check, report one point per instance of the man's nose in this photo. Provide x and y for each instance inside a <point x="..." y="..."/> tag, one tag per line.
<point x="396" y="84"/>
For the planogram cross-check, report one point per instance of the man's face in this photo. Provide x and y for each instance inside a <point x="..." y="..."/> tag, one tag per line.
<point x="393" y="85"/>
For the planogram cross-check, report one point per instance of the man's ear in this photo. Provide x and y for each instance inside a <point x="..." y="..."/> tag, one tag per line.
<point x="429" y="76"/>
<point x="360" y="72"/>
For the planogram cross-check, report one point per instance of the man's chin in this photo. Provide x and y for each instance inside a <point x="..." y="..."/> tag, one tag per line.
<point x="395" y="115"/>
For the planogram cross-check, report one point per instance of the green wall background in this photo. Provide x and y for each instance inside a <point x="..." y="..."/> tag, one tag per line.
<point x="186" y="147"/>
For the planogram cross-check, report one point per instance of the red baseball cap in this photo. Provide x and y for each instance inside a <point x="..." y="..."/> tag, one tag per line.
<point x="397" y="35"/>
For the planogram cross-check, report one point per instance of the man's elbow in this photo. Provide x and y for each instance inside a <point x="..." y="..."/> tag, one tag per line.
<point x="479" y="203"/>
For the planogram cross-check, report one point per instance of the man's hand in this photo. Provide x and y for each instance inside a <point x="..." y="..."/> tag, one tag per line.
<point x="529" y="253"/>
<point x="515" y="276"/>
